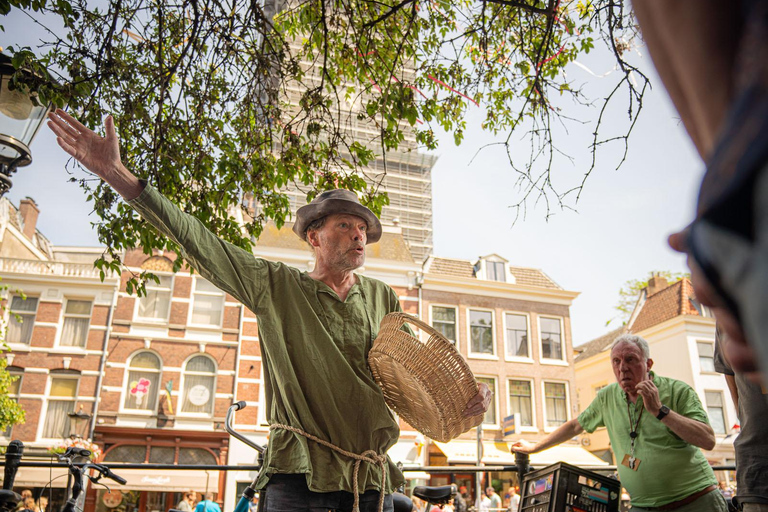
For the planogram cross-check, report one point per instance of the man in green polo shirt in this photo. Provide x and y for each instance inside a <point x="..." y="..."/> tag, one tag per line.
<point x="656" y="426"/>
<point x="315" y="330"/>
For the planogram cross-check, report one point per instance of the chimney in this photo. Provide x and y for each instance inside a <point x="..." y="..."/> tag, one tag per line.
<point x="656" y="283"/>
<point x="29" y="212"/>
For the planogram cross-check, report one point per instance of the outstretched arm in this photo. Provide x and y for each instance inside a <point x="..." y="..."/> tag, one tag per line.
<point x="565" y="432"/>
<point x="100" y="155"/>
<point x="230" y="268"/>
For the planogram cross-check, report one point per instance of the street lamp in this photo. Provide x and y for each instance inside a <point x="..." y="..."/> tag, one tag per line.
<point x="20" y="118"/>
<point x="78" y="421"/>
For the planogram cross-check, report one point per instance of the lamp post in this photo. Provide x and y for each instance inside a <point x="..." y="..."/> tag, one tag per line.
<point x="21" y="116"/>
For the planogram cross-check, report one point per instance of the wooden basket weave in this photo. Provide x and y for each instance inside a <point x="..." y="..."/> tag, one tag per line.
<point x="427" y="383"/>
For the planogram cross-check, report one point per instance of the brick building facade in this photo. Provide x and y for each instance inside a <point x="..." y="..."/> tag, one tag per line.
<point x="156" y="374"/>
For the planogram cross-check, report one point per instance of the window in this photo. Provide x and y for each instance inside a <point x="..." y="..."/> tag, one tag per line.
<point x="77" y="319"/>
<point x="517" y="335"/>
<point x="199" y="385"/>
<point x="61" y="402"/>
<point x="156" y="303"/>
<point x="715" y="411"/>
<point x="494" y="271"/>
<point x="14" y="390"/>
<point x="706" y="356"/>
<point x="22" y="319"/>
<point x="490" y="414"/>
<point x="444" y="322"/>
<point x="520" y="401"/>
<point x="555" y="403"/>
<point x="551" y="339"/>
<point x="207" y="304"/>
<point x="142" y="382"/>
<point x="481" y="332"/>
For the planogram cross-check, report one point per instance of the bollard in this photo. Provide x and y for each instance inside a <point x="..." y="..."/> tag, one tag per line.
<point x="522" y="461"/>
<point x="12" y="459"/>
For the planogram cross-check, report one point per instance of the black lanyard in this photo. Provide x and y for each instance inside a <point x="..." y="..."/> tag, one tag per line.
<point x="633" y="431"/>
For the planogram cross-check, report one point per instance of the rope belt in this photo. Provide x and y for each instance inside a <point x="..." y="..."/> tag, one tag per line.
<point x="369" y="456"/>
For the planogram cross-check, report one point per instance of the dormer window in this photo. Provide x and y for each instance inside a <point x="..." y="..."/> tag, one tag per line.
<point x="493" y="268"/>
<point x="494" y="271"/>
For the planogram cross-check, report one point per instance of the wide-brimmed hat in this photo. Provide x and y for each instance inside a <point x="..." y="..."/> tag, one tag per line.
<point x="336" y="201"/>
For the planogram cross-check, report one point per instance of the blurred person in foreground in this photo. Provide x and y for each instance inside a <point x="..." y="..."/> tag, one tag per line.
<point x="656" y="426"/>
<point x="751" y="445"/>
<point x="712" y="56"/>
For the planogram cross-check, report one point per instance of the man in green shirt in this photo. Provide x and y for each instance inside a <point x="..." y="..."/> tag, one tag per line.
<point x="325" y="410"/>
<point x="656" y="426"/>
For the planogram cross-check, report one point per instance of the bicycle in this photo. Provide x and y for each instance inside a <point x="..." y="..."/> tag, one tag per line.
<point x="77" y="471"/>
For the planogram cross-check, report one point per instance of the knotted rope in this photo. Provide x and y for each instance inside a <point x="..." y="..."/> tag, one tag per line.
<point x="369" y="456"/>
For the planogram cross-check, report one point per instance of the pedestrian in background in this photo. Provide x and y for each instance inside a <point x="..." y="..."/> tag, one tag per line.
<point x="208" y="505"/>
<point x="187" y="503"/>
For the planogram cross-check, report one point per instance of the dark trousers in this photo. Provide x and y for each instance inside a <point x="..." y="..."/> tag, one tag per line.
<point x="289" y="493"/>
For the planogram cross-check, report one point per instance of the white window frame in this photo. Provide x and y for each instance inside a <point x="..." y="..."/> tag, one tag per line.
<point x="518" y="359"/>
<point x="182" y="396"/>
<point x="480" y="355"/>
<point x="544" y="402"/>
<point x="494" y="402"/>
<point x="10" y="314"/>
<point x="526" y="428"/>
<point x="218" y="293"/>
<point x="124" y="386"/>
<point x="698" y="356"/>
<point x="17" y="396"/>
<point x="503" y="269"/>
<point x="547" y="360"/>
<point x="64" y="316"/>
<point x="151" y="285"/>
<point x="455" y="316"/>
<point x="47" y="400"/>
<point x="722" y="407"/>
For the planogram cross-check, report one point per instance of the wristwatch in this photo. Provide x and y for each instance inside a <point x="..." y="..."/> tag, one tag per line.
<point x="663" y="411"/>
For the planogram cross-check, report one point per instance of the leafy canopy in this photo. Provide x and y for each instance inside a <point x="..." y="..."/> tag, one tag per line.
<point x="221" y="104"/>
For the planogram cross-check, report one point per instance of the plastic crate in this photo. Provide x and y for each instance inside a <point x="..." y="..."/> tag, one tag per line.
<point x="565" y="488"/>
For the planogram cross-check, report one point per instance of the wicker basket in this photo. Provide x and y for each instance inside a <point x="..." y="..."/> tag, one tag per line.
<point x="427" y="383"/>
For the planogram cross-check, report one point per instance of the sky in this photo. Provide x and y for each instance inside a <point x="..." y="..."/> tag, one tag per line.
<point x="617" y="233"/>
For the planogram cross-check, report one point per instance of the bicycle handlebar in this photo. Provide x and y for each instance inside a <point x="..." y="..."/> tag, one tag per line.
<point x="237" y="406"/>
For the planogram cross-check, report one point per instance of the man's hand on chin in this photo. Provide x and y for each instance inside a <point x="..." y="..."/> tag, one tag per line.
<point x="650" y="393"/>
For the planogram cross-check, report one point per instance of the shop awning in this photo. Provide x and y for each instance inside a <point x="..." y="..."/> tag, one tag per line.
<point x="414" y="475"/>
<point x="572" y="454"/>
<point x="465" y="452"/>
<point x="498" y="453"/>
<point x="40" y="477"/>
<point x="168" y="480"/>
<point x="405" y="451"/>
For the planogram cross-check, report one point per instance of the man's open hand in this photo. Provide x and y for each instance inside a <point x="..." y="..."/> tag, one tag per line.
<point x="523" y="446"/>
<point x="479" y="403"/>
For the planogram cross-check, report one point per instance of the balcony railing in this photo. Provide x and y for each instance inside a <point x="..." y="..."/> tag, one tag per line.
<point x="51" y="268"/>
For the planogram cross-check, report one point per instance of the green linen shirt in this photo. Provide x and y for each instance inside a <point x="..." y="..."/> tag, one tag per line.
<point x="314" y="350"/>
<point x="670" y="468"/>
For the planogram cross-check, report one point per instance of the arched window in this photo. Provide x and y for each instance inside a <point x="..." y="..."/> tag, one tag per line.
<point x="199" y="385"/>
<point x="143" y="382"/>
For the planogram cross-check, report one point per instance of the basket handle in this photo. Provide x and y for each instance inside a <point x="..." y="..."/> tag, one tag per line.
<point x="403" y="318"/>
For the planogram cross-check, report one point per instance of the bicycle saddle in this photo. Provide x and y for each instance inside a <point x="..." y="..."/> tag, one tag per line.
<point x="437" y="495"/>
<point x="8" y="500"/>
